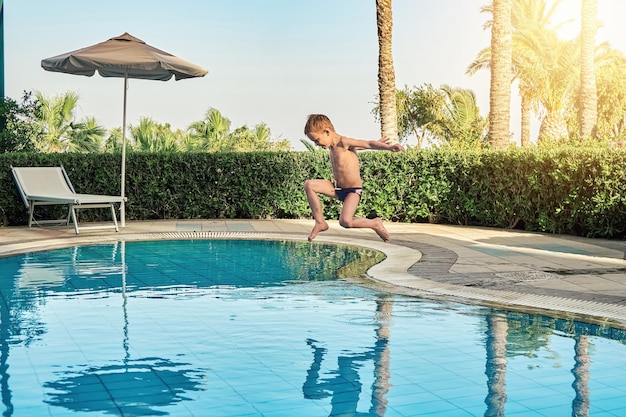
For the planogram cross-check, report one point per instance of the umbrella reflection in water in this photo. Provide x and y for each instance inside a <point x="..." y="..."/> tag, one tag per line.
<point x="127" y="386"/>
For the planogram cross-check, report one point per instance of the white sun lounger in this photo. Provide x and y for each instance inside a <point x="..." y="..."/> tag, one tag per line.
<point x="46" y="186"/>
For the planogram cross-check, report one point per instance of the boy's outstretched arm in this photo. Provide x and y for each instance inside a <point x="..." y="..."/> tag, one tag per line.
<point x="383" y="144"/>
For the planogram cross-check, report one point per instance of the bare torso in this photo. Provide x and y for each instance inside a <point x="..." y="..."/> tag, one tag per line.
<point x="345" y="164"/>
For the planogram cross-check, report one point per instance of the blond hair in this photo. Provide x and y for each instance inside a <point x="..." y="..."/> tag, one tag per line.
<point x="318" y="123"/>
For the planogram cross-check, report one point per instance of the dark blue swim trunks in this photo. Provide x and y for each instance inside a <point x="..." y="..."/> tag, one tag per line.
<point x="342" y="193"/>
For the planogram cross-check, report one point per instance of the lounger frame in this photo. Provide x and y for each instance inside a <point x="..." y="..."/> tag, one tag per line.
<point x="47" y="186"/>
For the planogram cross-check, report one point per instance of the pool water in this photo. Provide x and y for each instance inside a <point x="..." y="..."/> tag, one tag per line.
<point x="265" y="328"/>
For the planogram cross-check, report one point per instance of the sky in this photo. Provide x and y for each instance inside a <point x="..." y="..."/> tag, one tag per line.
<point x="268" y="61"/>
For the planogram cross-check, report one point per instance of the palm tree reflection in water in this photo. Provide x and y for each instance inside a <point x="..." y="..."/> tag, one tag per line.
<point x="580" y="404"/>
<point x="495" y="345"/>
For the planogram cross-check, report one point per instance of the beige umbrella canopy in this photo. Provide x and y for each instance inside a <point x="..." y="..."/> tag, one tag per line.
<point x="124" y="57"/>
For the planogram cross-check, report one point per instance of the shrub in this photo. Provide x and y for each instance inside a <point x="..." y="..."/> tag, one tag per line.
<point x="578" y="191"/>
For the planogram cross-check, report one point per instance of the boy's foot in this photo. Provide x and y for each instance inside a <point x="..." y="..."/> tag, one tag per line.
<point x="319" y="227"/>
<point x="380" y="230"/>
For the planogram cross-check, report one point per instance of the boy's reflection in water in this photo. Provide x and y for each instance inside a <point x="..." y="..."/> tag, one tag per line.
<point x="344" y="385"/>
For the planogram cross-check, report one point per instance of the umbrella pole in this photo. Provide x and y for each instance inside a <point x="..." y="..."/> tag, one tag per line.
<point x="123" y="179"/>
<point x="124" y="304"/>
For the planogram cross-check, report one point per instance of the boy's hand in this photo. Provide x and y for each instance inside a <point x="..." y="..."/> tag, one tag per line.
<point x="396" y="147"/>
<point x="393" y="146"/>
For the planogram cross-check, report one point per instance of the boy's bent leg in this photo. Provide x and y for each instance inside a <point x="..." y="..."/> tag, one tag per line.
<point x="312" y="188"/>
<point x="347" y="219"/>
<point x="375" y="224"/>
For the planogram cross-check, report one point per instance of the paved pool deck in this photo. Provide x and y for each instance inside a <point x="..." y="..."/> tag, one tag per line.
<point x="565" y="276"/>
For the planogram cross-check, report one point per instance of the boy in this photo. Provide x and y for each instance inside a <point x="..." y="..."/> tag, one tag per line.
<point x="348" y="186"/>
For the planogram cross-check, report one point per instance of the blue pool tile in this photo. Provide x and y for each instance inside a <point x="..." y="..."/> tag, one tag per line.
<point x="430" y="408"/>
<point x="527" y="413"/>
<point x="242" y="409"/>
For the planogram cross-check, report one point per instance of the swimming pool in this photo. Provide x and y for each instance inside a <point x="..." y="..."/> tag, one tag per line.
<point x="265" y="328"/>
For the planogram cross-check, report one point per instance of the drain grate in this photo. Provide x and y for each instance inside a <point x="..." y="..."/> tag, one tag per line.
<point x="196" y="235"/>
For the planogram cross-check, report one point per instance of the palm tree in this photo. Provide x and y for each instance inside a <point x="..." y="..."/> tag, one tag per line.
<point x="553" y="75"/>
<point x="55" y="116"/>
<point x="257" y="139"/>
<point x="244" y="139"/>
<point x="417" y="111"/>
<point x="501" y="74"/>
<point x="211" y="132"/>
<point x="531" y="20"/>
<point x="309" y="146"/>
<point x="611" y="87"/>
<point x="461" y="123"/>
<point x="528" y="14"/>
<point x="440" y="116"/>
<point x="86" y="136"/>
<point x="588" y="98"/>
<point x="113" y="143"/>
<point x="533" y="13"/>
<point x="556" y="79"/>
<point x="386" y="72"/>
<point x="150" y="136"/>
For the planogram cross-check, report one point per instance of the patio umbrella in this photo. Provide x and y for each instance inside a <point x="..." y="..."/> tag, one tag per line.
<point x="124" y="57"/>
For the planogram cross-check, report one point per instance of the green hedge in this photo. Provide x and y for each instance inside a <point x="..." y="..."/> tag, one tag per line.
<point x="562" y="190"/>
